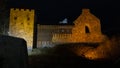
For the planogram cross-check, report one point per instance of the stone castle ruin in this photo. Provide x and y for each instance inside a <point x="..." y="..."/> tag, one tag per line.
<point x="87" y="29"/>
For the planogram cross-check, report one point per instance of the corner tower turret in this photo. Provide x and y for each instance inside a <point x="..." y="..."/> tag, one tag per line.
<point x="22" y="24"/>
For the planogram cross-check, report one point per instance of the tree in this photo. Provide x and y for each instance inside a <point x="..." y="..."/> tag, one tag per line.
<point x="4" y="18"/>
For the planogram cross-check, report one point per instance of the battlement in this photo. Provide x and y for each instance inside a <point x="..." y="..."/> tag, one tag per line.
<point x="85" y="10"/>
<point x="22" y="10"/>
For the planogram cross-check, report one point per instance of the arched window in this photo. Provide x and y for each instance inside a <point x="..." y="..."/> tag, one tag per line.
<point x="87" y="29"/>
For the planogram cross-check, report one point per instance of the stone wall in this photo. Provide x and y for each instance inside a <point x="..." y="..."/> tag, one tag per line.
<point x="87" y="28"/>
<point x="46" y="34"/>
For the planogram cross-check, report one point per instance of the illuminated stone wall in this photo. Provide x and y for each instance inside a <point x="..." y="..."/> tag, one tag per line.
<point x="46" y="34"/>
<point x="22" y="24"/>
<point x="87" y="28"/>
<point x="63" y="34"/>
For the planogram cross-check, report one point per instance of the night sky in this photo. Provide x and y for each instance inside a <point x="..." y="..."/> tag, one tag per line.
<point x="53" y="11"/>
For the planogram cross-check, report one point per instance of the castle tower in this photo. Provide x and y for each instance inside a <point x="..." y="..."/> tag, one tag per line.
<point x="87" y="28"/>
<point x="22" y="24"/>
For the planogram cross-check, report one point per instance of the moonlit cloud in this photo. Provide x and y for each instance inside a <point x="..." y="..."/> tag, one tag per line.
<point x="64" y="21"/>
